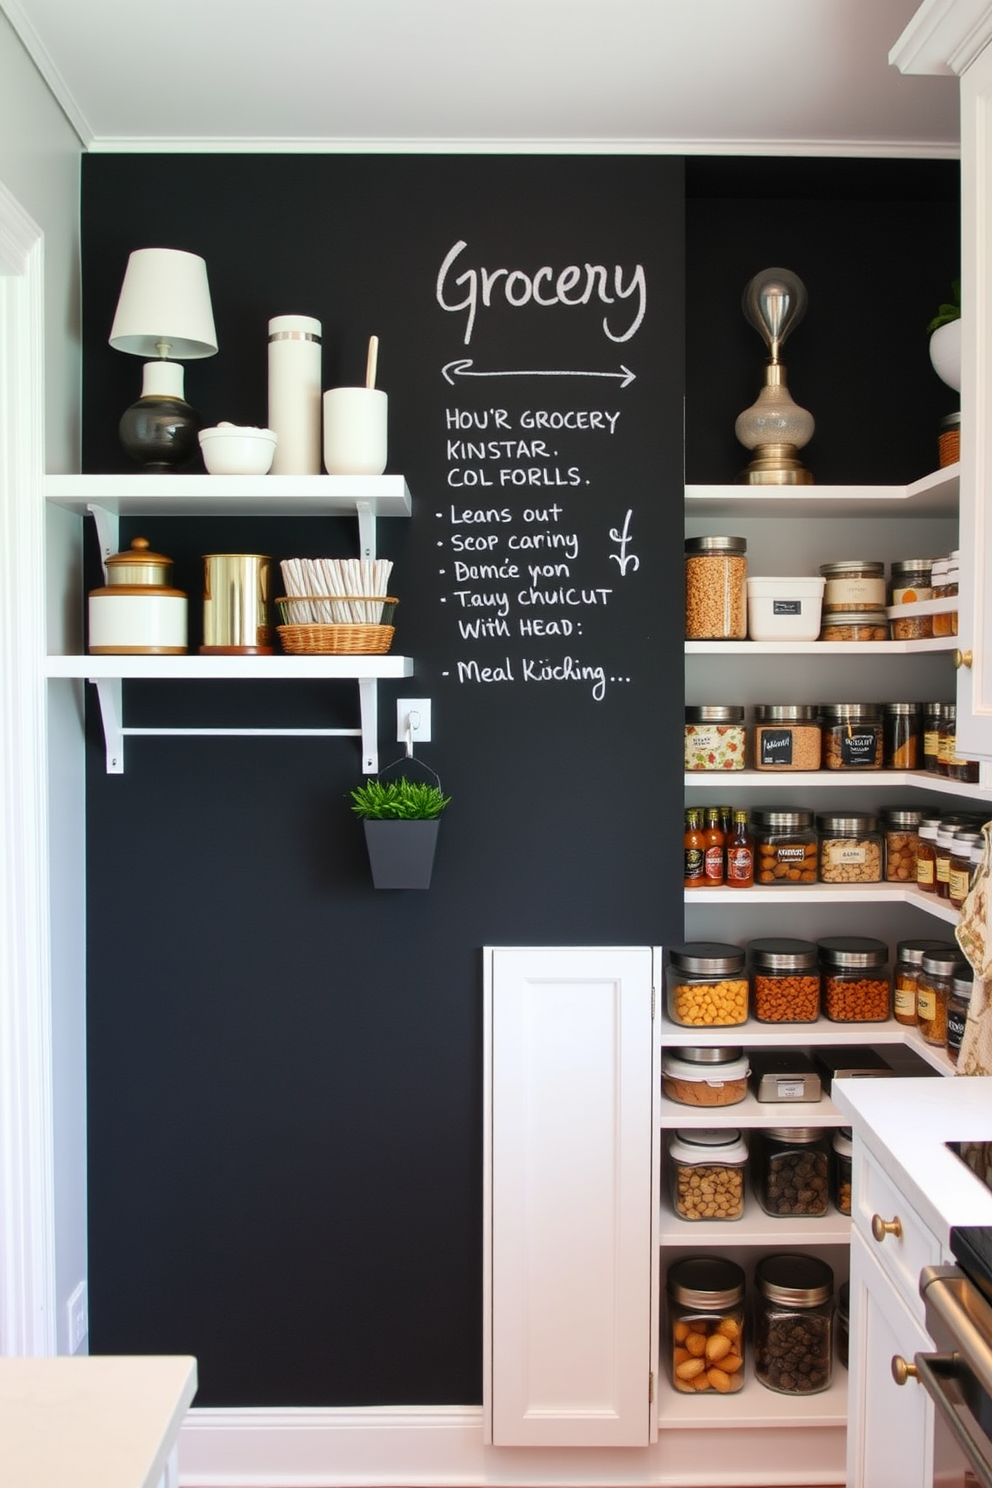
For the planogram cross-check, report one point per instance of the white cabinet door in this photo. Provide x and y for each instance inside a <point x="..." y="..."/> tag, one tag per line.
<point x="571" y="1173"/>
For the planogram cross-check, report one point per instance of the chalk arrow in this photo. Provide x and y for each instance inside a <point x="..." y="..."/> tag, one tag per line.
<point x="461" y="369"/>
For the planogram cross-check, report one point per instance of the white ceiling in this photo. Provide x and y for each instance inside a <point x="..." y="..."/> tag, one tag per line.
<point x="758" y="75"/>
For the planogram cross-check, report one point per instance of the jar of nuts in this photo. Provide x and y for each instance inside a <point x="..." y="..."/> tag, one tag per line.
<point x="901" y="826"/>
<point x="785" y="980"/>
<point x="715" y="588"/>
<point x="707" y="1170"/>
<point x="786" y="736"/>
<point x="843" y="1168"/>
<point x="784" y="846"/>
<point x="792" y="1171"/>
<point x="793" y="1314"/>
<point x="856" y="985"/>
<point x="714" y="1076"/>
<point x="852" y="736"/>
<point x="857" y="625"/>
<point x="707" y="984"/>
<point x="705" y="1325"/>
<point x="850" y="847"/>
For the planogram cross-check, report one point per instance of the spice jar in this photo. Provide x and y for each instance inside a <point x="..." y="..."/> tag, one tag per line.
<point x="854" y="584"/>
<point x="786" y="736"/>
<point x="901" y="828"/>
<point x="842" y="1169"/>
<point x="909" y="584"/>
<point x="785" y="980"/>
<point x="852" y="736"/>
<point x="714" y="737"/>
<point x="715" y="588"/>
<point x="959" y="869"/>
<point x="706" y="1171"/>
<point x="707" y="984"/>
<point x="902" y="736"/>
<point x="791" y="1171"/>
<point x="926" y="854"/>
<point x="713" y="1076"/>
<point x="850" y="847"/>
<point x="784" y="846"/>
<point x="932" y="715"/>
<point x="958" y="1004"/>
<point x="855" y="978"/>
<point x="906" y="976"/>
<point x="793" y="1314"/>
<point x="856" y="625"/>
<point x="705" y="1325"/>
<point x="933" y="993"/>
<point x="945" y="587"/>
<point x="947" y="738"/>
<point x="946" y="833"/>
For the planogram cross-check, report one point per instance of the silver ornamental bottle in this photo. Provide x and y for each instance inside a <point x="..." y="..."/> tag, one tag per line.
<point x="294" y="393"/>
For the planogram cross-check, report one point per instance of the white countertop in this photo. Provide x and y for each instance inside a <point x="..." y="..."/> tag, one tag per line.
<point x="905" y="1123"/>
<point x="109" y="1421"/>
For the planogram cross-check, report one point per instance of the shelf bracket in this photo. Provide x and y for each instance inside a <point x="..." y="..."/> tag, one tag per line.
<point x="368" y="696"/>
<point x="107" y="532"/>
<point x="108" y="690"/>
<point x="366" y="529"/>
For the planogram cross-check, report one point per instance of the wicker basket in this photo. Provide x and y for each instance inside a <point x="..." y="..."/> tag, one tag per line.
<point x="336" y="640"/>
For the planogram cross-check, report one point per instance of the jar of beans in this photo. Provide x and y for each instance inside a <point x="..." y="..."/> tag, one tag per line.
<point x="715" y="737"/>
<point x="933" y="992"/>
<point x="906" y="976"/>
<point x="792" y="1171"/>
<point x="854" y="584"/>
<point x="850" y="847"/>
<point x="858" y="625"/>
<point x="705" y="1325"/>
<point x="715" y="588"/>
<point x="706" y="1169"/>
<point x="785" y="980"/>
<point x="784" y="846"/>
<point x="902" y="737"/>
<point x="900" y="827"/>
<point x="856" y="983"/>
<point x="852" y="736"/>
<point x="712" y="1076"/>
<point x="786" y="736"/>
<point x="793" y="1315"/>
<point x="842" y="1170"/>
<point x="707" y="984"/>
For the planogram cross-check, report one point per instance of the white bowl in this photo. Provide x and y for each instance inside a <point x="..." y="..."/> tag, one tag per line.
<point x="230" y="449"/>
<point x="784" y="609"/>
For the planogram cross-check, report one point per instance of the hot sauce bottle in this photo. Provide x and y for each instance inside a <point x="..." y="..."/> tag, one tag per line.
<point x="715" y="840"/>
<point x="740" y="854"/>
<point x="694" y="850"/>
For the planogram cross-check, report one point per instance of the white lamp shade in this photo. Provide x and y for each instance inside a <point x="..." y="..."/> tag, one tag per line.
<point x="164" y="298"/>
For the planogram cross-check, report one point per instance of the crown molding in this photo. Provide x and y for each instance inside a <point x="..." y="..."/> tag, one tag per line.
<point x="944" y="37"/>
<point x="40" y="56"/>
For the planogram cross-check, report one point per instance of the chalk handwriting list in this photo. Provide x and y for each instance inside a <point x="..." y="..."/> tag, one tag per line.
<point x="574" y="285"/>
<point x="508" y="566"/>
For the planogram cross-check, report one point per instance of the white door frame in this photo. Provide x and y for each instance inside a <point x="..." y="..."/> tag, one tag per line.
<point x="27" y="1191"/>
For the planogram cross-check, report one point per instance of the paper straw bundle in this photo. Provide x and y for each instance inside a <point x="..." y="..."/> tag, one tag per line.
<point x="336" y="591"/>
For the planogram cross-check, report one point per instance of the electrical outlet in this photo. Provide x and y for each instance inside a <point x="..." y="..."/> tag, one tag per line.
<point x="77" y="1313"/>
<point x="413" y="714"/>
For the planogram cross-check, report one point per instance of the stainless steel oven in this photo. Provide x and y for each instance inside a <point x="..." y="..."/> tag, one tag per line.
<point x="958" y="1375"/>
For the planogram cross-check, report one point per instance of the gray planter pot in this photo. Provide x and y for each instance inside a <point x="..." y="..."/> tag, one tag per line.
<point x="401" y="853"/>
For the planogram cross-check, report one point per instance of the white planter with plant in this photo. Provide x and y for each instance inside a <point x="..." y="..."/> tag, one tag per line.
<point x="945" y="340"/>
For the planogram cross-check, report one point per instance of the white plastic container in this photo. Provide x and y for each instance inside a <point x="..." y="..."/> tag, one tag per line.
<point x="784" y="609"/>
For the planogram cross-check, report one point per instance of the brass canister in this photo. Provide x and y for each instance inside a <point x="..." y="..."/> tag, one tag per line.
<point x="236" y="597"/>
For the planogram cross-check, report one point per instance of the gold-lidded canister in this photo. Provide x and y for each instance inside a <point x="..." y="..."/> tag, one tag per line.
<point x="137" y="612"/>
<point x="236" y="605"/>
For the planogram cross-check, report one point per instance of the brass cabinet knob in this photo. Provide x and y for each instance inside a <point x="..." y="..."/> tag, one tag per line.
<point x="902" y="1370"/>
<point x="963" y="658"/>
<point x="881" y="1227"/>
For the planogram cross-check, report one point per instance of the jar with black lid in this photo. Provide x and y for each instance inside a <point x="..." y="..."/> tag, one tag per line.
<point x="792" y="1171"/>
<point x="906" y="976"/>
<point x="852" y="736"/>
<point x="853" y="584"/>
<point x="715" y="588"/>
<point x="785" y="980"/>
<point x="784" y="846"/>
<point x="856" y="983"/>
<point x="704" y="1297"/>
<point x="786" y="736"/>
<point x="901" y="830"/>
<point x="793" y="1316"/>
<point x="850" y="846"/>
<point x="902" y="736"/>
<point x="958" y="1004"/>
<point x="707" y="984"/>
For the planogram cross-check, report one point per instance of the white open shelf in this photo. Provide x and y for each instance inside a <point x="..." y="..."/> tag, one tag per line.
<point x="819" y="648"/>
<point x="755" y="1035"/>
<point x="751" y="1407"/>
<point x="820" y="893"/>
<point x="750" y="1112"/>
<point x="935" y="495"/>
<point x="231" y="495"/>
<point x="801" y="780"/>
<point x="229" y="668"/>
<point x="754" y="1227"/>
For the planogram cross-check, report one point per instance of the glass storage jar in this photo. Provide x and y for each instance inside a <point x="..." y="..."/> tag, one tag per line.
<point x="786" y="736"/>
<point x="715" y="737"/>
<point x="715" y="588"/>
<point x="933" y="991"/>
<point x="852" y="736"/>
<point x="945" y="586"/>
<point x="785" y="980"/>
<point x="707" y="984"/>
<point x="784" y="846"/>
<point x="960" y="868"/>
<point x="715" y="1076"/>
<point x="906" y="976"/>
<point x="856" y="984"/>
<point x="957" y="1012"/>
<point x="901" y="830"/>
<point x="926" y="853"/>
<point x="946" y="833"/>
<point x="932" y="716"/>
<point x="902" y="737"/>
<point x="853" y="584"/>
<point x="706" y="1170"/>
<point x="793" y="1315"/>
<point x="842" y="1169"/>
<point x="909" y="584"/>
<point x="947" y="738"/>
<point x="856" y="625"/>
<point x="791" y="1171"/>
<point x="704" y="1322"/>
<point x="850" y="847"/>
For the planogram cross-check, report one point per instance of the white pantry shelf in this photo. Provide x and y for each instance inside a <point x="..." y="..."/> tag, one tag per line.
<point x="821" y="893"/>
<point x="752" y="1407"/>
<point x="800" y="780"/>
<point x="819" y="648"/>
<point x="754" y="1227"/>
<point x="935" y="495"/>
<point x="750" y="1112"/>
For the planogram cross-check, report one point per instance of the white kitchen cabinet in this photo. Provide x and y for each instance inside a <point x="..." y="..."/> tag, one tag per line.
<point x="570" y="1323"/>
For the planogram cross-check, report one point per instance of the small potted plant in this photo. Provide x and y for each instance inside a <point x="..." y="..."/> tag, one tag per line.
<point x="401" y="819"/>
<point x="945" y="339"/>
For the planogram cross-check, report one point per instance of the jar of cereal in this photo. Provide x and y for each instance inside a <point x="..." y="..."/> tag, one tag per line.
<point x="707" y="984"/>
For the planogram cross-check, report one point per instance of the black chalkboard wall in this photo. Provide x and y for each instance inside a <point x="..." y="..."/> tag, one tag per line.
<point x="285" y="1065"/>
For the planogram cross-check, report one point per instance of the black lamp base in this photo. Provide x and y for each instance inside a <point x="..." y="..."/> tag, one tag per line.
<point x="160" y="433"/>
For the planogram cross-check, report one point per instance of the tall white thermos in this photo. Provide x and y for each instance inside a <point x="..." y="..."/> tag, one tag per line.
<point x="294" y="394"/>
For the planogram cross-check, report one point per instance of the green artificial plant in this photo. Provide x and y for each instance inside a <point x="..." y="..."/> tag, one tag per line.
<point x="398" y="800"/>
<point x="949" y="310"/>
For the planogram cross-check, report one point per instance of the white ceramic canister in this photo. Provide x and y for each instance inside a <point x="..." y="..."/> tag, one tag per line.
<point x="295" y="393"/>
<point x="137" y="613"/>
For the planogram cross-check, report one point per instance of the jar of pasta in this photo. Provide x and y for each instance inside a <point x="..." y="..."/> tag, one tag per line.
<point x="704" y="1322"/>
<point x="786" y="736"/>
<point x="784" y="846"/>
<point x="852" y="736"/>
<point x="901" y="828"/>
<point x="850" y="847"/>
<point x="706" y="1170"/>
<point x="785" y="980"/>
<point x="715" y="588"/>
<point x="707" y="984"/>
<point x="853" y="584"/>
<point x="856" y="982"/>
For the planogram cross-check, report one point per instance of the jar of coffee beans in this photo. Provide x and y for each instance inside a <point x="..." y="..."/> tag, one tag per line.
<point x="705" y="1325"/>
<point x="793" y="1315"/>
<point x="791" y="1171"/>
